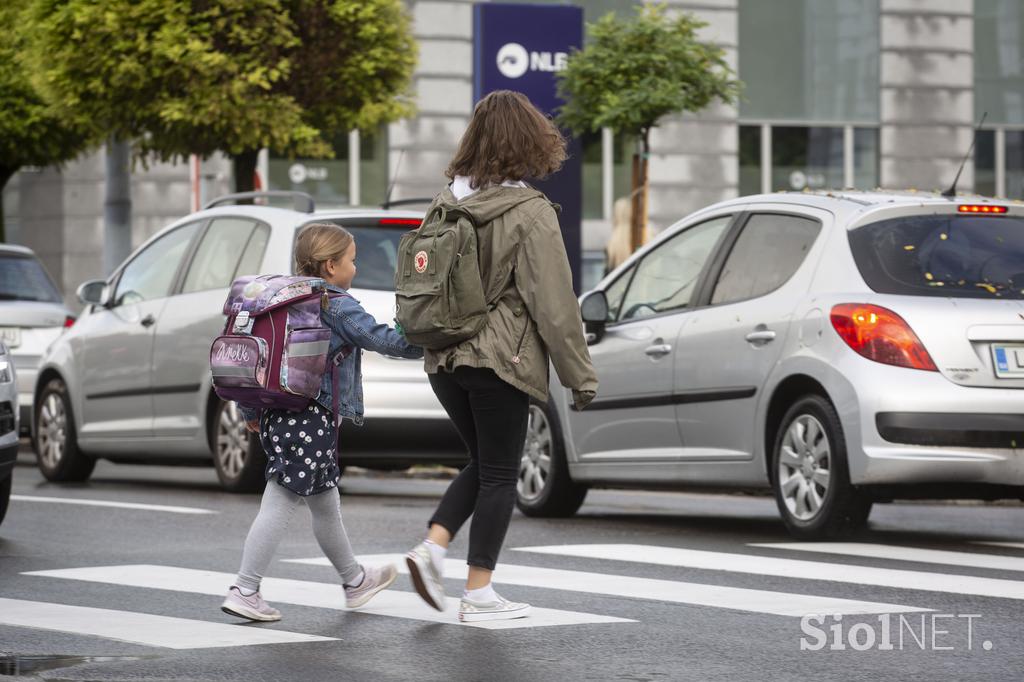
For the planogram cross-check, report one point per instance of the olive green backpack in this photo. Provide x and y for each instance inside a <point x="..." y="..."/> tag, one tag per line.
<point x="438" y="289"/>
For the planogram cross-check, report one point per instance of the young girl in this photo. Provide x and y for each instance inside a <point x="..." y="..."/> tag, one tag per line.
<point x="301" y="447"/>
<point x="486" y="383"/>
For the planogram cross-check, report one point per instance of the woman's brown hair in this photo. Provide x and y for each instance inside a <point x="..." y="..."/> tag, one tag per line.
<point x="318" y="243"/>
<point x="507" y="139"/>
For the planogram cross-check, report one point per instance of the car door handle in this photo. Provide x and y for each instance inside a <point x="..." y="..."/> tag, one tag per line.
<point x="761" y="336"/>
<point x="658" y="350"/>
<point x="148" y="321"/>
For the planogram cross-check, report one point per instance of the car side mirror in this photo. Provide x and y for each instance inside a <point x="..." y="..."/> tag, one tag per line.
<point x="594" y="310"/>
<point x="93" y="292"/>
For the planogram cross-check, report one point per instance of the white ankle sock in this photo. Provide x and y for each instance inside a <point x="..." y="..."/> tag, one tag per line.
<point x="482" y="594"/>
<point x="437" y="554"/>
<point x="359" y="579"/>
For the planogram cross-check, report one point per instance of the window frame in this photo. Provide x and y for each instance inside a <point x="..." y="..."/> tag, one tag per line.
<point x="725" y="250"/>
<point x="630" y="267"/>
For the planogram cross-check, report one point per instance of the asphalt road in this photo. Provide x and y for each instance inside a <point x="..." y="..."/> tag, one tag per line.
<point x="637" y="586"/>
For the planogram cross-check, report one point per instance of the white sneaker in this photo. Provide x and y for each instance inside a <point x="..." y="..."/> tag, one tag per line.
<point x="425" y="577"/>
<point x="251" y="607"/>
<point x="501" y="609"/>
<point x="375" y="579"/>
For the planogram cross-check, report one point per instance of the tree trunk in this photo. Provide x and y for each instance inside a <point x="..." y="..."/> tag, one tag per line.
<point x="635" y="225"/>
<point x="5" y="175"/>
<point x="117" y="205"/>
<point x="645" y="149"/>
<point x="244" y="166"/>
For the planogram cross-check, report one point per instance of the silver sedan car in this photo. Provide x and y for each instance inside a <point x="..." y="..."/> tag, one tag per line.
<point x="840" y="348"/>
<point x="130" y="381"/>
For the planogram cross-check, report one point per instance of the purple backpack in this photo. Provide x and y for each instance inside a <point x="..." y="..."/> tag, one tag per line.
<point x="273" y="351"/>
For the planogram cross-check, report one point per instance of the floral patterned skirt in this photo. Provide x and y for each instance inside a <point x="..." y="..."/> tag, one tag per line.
<point x="301" y="449"/>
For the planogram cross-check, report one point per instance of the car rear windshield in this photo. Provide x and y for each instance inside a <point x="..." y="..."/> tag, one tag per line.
<point x="955" y="256"/>
<point x="22" y="278"/>
<point x="376" y="254"/>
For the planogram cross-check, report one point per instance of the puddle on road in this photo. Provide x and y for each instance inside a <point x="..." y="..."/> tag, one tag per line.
<point x="14" y="664"/>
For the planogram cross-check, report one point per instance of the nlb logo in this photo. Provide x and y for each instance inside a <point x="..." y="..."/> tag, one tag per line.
<point x="514" y="60"/>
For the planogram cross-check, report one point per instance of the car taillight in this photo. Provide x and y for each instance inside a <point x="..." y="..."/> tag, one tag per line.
<point x="68" y="321"/>
<point x="881" y="335"/>
<point x="409" y="222"/>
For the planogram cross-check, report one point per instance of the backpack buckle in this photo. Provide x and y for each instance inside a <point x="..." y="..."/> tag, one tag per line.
<point x="243" y="323"/>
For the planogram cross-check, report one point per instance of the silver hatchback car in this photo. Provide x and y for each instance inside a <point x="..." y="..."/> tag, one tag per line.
<point x="841" y="348"/>
<point x="130" y="381"/>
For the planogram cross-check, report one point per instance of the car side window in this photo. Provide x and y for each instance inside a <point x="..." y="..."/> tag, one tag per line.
<point x="666" y="277"/>
<point x="766" y="254"/>
<point x="150" y="274"/>
<point x="252" y="258"/>
<point x="218" y="255"/>
<point x="615" y="292"/>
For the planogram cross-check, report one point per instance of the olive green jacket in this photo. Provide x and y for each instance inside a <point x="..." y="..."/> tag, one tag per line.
<point x="534" y="313"/>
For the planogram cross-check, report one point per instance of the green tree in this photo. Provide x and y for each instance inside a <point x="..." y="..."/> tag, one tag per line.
<point x="632" y="73"/>
<point x="32" y="133"/>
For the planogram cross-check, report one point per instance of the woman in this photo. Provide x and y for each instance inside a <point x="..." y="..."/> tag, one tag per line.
<point x="485" y="383"/>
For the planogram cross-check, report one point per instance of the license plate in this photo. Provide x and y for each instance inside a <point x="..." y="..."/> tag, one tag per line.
<point x="1009" y="360"/>
<point x="11" y="336"/>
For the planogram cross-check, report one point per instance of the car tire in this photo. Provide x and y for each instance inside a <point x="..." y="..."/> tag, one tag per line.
<point x="238" y="456"/>
<point x="55" y="440"/>
<point x="550" y="492"/>
<point x="810" y="475"/>
<point x="5" y="495"/>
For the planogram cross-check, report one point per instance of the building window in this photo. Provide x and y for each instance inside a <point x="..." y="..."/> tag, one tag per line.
<point x="789" y="157"/>
<point x="999" y="60"/>
<point x="330" y="181"/>
<point x="999" y="163"/>
<point x="809" y="60"/>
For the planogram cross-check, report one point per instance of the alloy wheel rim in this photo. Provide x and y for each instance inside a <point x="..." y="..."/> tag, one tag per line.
<point x="232" y="441"/>
<point x="52" y="431"/>
<point x="535" y="464"/>
<point x="805" y="466"/>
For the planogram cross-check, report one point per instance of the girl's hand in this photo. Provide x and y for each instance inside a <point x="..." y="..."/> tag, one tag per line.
<point x="253" y="426"/>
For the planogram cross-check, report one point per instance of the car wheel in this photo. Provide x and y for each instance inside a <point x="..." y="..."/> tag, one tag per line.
<point x="5" y="495"/>
<point x="237" y="454"/>
<point x="544" y="487"/>
<point x="55" y="442"/>
<point x="810" y="475"/>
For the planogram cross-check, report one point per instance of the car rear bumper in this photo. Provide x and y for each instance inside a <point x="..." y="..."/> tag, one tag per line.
<point x="917" y="427"/>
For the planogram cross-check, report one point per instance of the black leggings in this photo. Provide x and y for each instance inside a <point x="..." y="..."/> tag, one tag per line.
<point x="491" y="417"/>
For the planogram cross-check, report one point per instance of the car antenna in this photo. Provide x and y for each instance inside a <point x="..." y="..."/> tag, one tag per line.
<point x="391" y="187"/>
<point x="951" y="192"/>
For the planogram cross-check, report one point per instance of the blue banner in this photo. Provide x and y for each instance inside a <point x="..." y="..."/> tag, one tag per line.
<point x="521" y="47"/>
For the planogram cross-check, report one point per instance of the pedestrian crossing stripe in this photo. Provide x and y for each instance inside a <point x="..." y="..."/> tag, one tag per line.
<point x="916" y="554"/>
<point x="792" y="568"/>
<point x="141" y="628"/>
<point x="696" y="594"/>
<point x="1011" y="545"/>
<point x="307" y="593"/>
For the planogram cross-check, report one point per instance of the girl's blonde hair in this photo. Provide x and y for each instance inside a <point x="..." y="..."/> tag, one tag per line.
<point x="318" y="243"/>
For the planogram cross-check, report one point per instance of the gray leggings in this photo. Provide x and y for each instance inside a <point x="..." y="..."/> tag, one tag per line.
<point x="272" y="522"/>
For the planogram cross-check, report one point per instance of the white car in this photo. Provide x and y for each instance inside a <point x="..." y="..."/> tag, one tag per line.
<point x="32" y="316"/>
<point x="130" y="381"/>
<point x="839" y="348"/>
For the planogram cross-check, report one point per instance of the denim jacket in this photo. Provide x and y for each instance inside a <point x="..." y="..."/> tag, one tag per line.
<point x="354" y="327"/>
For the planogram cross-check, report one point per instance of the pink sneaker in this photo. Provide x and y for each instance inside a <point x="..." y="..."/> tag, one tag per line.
<point x="252" y="607"/>
<point x="374" y="580"/>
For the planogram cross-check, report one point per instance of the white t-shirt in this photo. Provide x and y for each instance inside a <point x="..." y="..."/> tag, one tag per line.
<point x="461" y="188"/>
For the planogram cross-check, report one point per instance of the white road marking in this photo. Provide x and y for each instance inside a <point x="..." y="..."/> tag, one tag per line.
<point x="1011" y="545"/>
<point x="141" y="628"/>
<point x="926" y="556"/>
<point x="119" y="505"/>
<point x="307" y="593"/>
<point x="741" y="599"/>
<point x="817" y="571"/>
